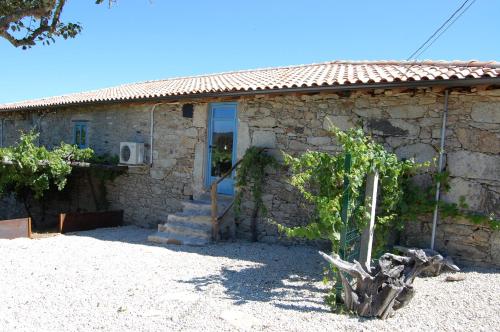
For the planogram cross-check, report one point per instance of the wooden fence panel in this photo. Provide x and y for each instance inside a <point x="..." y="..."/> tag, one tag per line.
<point x="73" y="222"/>
<point x="14" y="228"/>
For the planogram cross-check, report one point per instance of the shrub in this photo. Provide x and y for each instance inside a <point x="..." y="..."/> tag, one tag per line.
<point x="27" y="170"/>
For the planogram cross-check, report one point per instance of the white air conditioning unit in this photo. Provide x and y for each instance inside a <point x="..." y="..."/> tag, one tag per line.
<point x="131" y="153"/>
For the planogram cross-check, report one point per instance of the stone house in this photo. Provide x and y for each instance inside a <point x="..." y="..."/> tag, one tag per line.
<point x="194" y="128"/>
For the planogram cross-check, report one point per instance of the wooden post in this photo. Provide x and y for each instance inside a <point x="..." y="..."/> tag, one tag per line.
<point x="365" y="252"/>
<point x="29" y="228"/>
<point x="344" y="215"/>
<point x="215" y="224"/>
<point x="61" y="222"/>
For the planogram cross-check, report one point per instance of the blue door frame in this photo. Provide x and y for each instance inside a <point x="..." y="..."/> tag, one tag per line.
<point x="222" y="118"/>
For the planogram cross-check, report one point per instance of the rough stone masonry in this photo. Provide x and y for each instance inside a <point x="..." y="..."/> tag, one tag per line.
<point x="407" y="123"/>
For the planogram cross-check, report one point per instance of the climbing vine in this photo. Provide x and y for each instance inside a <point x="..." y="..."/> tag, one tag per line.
<point x="250" y="174"/>
<point x="28" y="170"/>
<point x="420" y="200"/>
<point x="319" y="176"/>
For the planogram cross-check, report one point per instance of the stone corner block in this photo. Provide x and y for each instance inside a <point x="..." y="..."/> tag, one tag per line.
<point x="488" y="112"/>
<point x="264" y="139"/>
<point x="474" y="165"/>
<point x="343" y="122"/>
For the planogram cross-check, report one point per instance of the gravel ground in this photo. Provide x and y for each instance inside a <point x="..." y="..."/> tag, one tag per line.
<point x="113" y="280"/>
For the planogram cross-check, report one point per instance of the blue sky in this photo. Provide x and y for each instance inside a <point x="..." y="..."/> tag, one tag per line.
<point x="139" y="40"/>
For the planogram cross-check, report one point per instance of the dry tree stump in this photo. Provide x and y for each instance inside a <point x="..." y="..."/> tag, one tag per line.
<point x="433" y="270"/>
<point x="386" y="287"/>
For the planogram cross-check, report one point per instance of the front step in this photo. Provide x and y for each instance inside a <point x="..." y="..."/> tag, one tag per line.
<point x="185" y="229"/>
<point x="192" y="226"/>
<point x="204" y="207"/>
<point x="167" y="238"/>
<point x="197" y="207"/>
<point x="189" y="218"/>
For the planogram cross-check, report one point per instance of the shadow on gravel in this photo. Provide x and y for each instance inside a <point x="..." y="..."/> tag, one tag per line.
<point x="265" y="284"/>
<point x="285" y="275"/>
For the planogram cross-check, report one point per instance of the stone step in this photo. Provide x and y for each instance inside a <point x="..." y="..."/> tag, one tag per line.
<point x="185" y="229"/>
<point x="206" y="227"/>
<point x="204" y="207"/>
<point x="220" y="197"/>
<point x="167" y="238"/>
<point x="189" y="218"/>
<point x="193" y="226"/>
<point x="197" y="207"/>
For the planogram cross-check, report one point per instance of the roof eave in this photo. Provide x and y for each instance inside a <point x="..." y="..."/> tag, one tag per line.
<point x="454" y="83"/>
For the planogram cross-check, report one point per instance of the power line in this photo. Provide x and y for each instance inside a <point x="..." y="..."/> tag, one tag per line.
<point x="438" y="32"/>
<point x="435" y="32"/>
<point x="421" y="52"/>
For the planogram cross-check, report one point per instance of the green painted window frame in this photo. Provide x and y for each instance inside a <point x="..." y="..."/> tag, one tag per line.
<point x="81" y="134"/>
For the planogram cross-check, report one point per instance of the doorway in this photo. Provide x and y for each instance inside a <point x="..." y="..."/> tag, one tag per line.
<point x="222" y="129"/>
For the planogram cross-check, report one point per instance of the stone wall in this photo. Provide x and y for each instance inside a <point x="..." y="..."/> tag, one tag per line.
<point x="146" y="194"/>
<point x="408" y="124"/>
<point x="466" y="242"/>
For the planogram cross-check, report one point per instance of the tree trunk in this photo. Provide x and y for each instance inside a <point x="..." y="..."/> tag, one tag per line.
<point x="24" y="199"/>
<point x="253" y="225"/>
<point x="386" y="287"/>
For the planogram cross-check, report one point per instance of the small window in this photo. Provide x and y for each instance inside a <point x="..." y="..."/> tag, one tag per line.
<point x="187" y="110"/>
<point x="80" y="137"/>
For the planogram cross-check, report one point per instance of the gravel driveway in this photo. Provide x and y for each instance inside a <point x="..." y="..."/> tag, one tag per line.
<point x="113" y="280"/>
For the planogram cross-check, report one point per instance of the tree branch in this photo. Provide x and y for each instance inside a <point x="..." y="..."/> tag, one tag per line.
<point x="46" y="13"/>
<point x="18" y="15"/>
<point x="57" y="14"/>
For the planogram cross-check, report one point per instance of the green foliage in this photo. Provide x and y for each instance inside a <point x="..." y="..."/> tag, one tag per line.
<point x="319" y="176"/>
<point x="251" y="172"/>
<point x="28" y="169"/>
<point x="104" y="159"/>
<point x="31" y="171"/>
<point x="221" y="156"/>
<point x="27" y="22"/>
<point x="418" y="200"/>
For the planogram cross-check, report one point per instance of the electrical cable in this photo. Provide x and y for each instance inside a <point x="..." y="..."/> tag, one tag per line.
<point x="421" y="52"/>
<point x="441" y="27"/>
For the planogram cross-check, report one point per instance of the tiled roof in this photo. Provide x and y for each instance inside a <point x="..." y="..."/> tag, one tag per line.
<point x="329" y="74"/>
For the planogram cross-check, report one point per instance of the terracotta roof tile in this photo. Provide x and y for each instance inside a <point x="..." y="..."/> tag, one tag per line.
<point x="335" y="73"/>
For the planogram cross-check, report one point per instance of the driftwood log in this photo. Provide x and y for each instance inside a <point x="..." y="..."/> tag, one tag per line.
<point x="388" y="286"/>
<point x="439" y="265"/>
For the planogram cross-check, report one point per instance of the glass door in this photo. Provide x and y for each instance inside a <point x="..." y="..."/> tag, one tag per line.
<point x="222" y="145"/>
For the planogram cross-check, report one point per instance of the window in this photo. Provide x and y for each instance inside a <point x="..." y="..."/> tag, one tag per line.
<point x="80" y="137"/>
